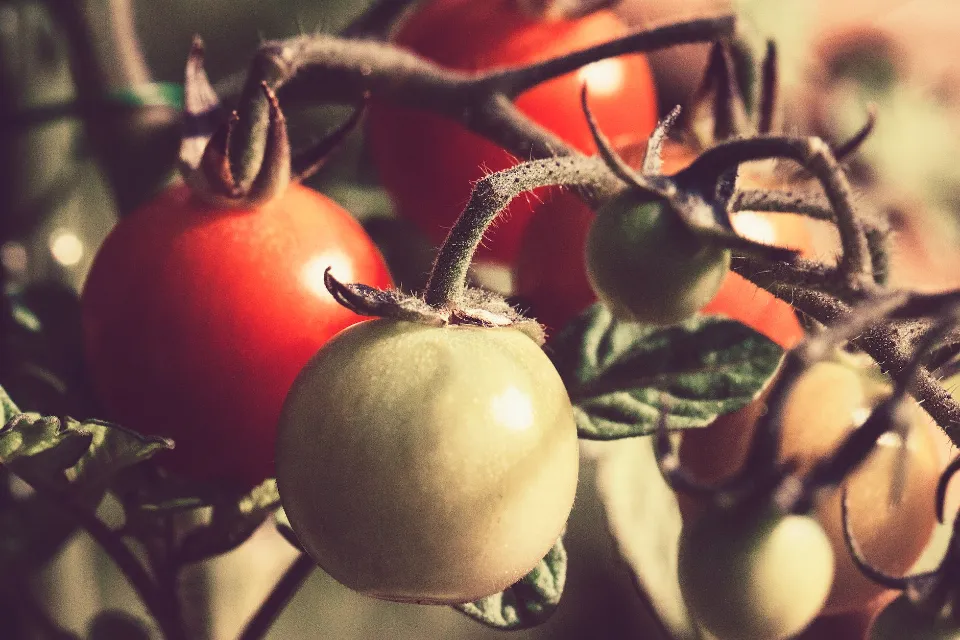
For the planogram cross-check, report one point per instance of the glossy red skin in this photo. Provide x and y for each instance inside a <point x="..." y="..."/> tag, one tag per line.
<point x="428" y="163"/>
<point x="743" y="301"/>
<point x="551" y="278"/>
<point x="196" y="321"/>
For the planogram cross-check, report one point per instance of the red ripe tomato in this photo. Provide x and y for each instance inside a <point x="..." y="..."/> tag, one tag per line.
<point x="743" y="301"/>
<point x="550" y="275"/>
<point x="197" y="320"/>
<point x="428" y="163"/>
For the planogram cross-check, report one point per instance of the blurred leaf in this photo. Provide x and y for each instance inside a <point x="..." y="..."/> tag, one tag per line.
<point x="231" y="524"/>
<point x="41" y="350"/>
<point x="621" y="375"/>
<point x="114" y="625"/>
<point x="644" y="519"/>
<point x="529" y="602"/>
<point x="32" y="531"/>
<point x="8" y="408"/>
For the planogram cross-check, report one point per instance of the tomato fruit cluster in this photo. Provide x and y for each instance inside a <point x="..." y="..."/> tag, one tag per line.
<point x="428" y="163"/>
<point x="427" y="464"/>
<point x="825" y="404"/>
<point x="196" y="321"/>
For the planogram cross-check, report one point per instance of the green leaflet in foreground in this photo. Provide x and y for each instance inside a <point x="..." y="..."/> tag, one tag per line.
<point x="528" y="602"/>
<point x="60" y="458"/>
<point x="644" y="520"/>
<point x="54" y="451"/>
<point x="622" y="375"/>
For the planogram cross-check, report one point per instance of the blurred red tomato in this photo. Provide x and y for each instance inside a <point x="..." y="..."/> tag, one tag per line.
<point x="429" y="163"/>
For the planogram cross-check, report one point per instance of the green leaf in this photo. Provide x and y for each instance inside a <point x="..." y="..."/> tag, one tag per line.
<point x="42" y="343"/>
<point x="112" y="449"/>
<point x="63" y="455"/>
<point x="85" y="454"/>
<point x="35" y="446"/>
<point x="231" y="524"/>
<point x="528" y="602"/>
<point x="7" y="407"/>
<point x="622" y="375"/>
<point x="644" y="520"/>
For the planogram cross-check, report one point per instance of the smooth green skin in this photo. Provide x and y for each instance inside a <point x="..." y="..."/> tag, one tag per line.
<point x="903" y="620"/>
<point x="749" y="575"/>
<point x="427" y="464"/>
<point x="646" y="265"/>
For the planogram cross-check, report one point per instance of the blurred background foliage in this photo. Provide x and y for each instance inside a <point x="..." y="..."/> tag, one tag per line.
<point x="56" y="205"/>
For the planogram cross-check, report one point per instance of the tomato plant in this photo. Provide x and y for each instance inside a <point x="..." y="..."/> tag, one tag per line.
<point x="428" y="163"/>
<point x="646" y="265"/>
<point x="427" y="464"/>
<point x="550" y="275"/>
<point x="750" y="574"/>
<point x="824" y="405"/>
<point x="196" y="320"/>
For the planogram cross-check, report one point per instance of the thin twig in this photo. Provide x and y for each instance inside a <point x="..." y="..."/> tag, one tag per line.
<point x="814" y="155"/>
<point x="771" y="201"/>
<point x="513" y="82"/>
<point x="334" y="69"/>
<point x="884" y="342"/>
<point x="282" y="593"/>
<point x="121" y="555"/>
<point x="489" y="197"/>
<point x="799" y="273"/>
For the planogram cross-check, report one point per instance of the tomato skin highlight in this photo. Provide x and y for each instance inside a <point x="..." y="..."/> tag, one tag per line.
<point x="197" y="320"/>
<point x="754" y="576"/>
<point x="427" y="464"/>
<point x="428" y="163"/>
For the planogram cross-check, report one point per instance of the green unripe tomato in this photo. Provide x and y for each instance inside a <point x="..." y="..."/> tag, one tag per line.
<point x="754" y="574"/>
<point x="427" y="464"/>
<point x="904" y="620"/>
<point x="647" y="266"/>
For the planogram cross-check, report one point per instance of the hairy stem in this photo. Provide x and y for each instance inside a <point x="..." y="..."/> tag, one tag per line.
<point x="334" y="69"/>
<point x="890" y="344"/>
<point x="513" y="82"/>
<point x="490" y="196"/>
<point x="814" y="155"/>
